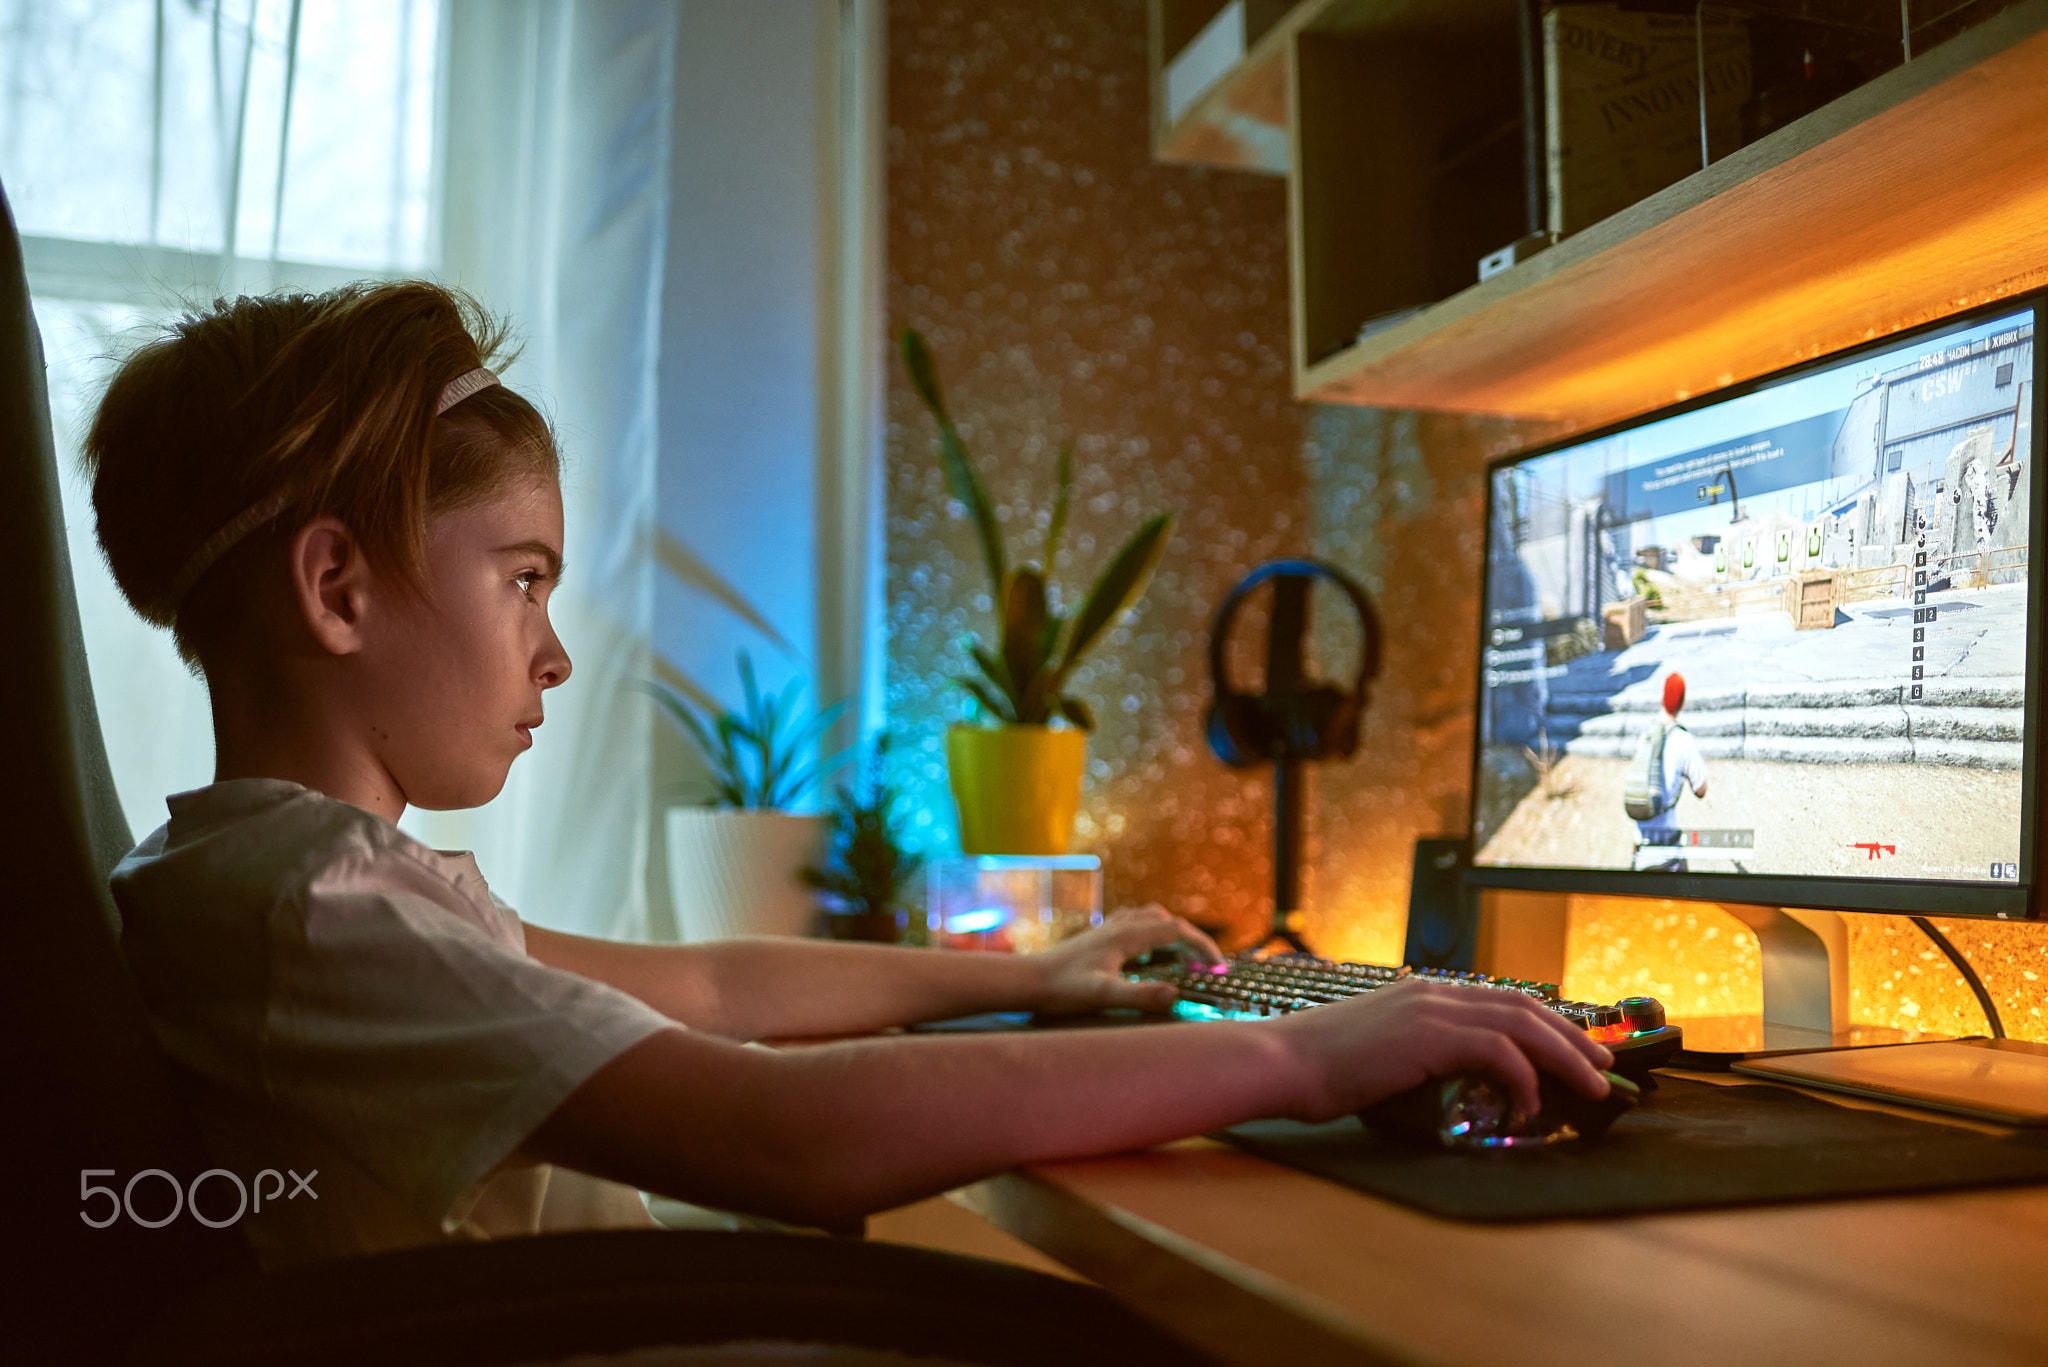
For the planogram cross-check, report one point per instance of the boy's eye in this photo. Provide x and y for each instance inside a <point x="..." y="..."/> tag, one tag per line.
<point x="526" y="579"/>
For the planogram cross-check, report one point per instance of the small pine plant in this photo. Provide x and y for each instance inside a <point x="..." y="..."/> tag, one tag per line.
<point x="866" y="869"/>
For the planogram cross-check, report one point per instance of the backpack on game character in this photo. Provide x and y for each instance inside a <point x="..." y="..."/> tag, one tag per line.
<point x="1642" y="796"/>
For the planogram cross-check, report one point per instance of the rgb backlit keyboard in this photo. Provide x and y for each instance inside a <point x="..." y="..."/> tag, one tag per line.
<point x="1250" y="987"/>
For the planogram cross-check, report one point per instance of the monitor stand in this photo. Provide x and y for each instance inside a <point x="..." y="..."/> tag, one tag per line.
<point x="1806" y="1011"/>
<point x="1806" y="994"/>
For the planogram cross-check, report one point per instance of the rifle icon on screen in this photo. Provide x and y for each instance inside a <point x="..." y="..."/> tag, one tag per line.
<point x="1874" y="850"/>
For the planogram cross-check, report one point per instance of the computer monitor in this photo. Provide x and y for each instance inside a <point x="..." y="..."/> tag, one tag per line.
<point x="1770" y="648"/>
<point x="1771" y="645"/>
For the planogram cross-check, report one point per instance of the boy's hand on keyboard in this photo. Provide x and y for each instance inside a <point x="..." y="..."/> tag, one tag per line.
<point x="1370" y="1047"/>
<point x="1086" y="972"/>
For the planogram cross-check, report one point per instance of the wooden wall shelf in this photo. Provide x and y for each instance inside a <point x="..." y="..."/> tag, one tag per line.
<point x="1920" y="193"/>
<point x="1923" y="192"/>
<point x="1240" y="123"/>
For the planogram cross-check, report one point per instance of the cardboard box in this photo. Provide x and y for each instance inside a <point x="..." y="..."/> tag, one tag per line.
<point x="1812" y="600"/>
<point x="1624" y="623"/>
<point x="1622" y="96"/>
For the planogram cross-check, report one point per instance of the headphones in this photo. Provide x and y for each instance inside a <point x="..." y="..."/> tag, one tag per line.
<point x="1289" y="721"/>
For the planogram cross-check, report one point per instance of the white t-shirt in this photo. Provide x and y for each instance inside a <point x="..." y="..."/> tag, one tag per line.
<point x="1684" y="771"/>
<point x="343" y="999"/>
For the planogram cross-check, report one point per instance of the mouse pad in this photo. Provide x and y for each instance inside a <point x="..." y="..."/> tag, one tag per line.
<point x="1688" y="1145"/>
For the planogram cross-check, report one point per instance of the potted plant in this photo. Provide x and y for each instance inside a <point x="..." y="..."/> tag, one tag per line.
<point x="1018" y="783"/>
<point x="735" y="860"/>
<point x="866" y="869"/>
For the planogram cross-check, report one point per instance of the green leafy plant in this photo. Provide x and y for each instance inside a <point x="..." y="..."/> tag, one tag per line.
<point x="1640" y="579"/>
<point x="1024" y="679"/>
<point x="756" y="755"/>
<point x="867" y="867"/>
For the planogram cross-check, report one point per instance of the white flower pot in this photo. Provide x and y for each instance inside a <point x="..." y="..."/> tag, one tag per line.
<point x="735" y="872"/>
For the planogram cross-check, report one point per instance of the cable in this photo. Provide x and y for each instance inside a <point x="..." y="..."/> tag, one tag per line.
<point x="1955" y="956"/>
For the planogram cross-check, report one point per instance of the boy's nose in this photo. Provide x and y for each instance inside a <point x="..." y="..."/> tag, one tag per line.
<point x="552" y="668"/>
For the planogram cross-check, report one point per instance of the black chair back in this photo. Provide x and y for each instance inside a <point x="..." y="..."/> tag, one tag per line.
<point x="85" y="1085"/>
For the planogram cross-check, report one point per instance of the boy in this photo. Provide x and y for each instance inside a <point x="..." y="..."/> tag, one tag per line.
<point x="352" y="530"/>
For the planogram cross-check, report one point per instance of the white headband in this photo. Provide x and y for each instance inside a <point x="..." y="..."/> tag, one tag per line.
<point x="462" y="386"/>
<point x="264" y="509"/>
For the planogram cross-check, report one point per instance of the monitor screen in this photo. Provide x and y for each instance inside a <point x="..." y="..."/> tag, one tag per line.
<point x="1773" y="645"/>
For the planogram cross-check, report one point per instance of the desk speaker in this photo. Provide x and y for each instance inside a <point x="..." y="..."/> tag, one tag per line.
<point x="1443" y="913"/>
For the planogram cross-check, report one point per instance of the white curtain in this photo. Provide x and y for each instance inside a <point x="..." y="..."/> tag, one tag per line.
<point x="160" y="152"/>
<point x="555" y="209"/>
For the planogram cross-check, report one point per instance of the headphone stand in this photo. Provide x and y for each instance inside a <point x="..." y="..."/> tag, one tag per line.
<point x="1295" y="720"/>
<point x="1287" y="778"/>
<point x="1286" y="635"/>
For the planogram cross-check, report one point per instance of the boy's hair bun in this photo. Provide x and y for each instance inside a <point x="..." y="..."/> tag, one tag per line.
<point x="325" y="400"/>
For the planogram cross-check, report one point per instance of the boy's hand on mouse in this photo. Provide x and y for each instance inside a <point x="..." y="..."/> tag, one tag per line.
<point x="1360" y="1051"/>
<point x="1085" y="973"/>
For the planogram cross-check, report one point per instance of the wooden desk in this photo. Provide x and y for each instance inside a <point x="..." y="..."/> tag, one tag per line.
<point x="1271" y="1266"/>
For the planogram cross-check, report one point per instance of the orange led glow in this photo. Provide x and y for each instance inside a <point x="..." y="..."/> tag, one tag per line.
<point x="1608" y="1034"/>
<point x="1700" y="961"/>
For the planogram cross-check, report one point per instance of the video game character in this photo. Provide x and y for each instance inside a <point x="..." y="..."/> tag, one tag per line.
<point x="1666" y="763"/>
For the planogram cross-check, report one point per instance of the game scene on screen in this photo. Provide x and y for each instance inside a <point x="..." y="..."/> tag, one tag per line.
<point x="1785" y="634"/>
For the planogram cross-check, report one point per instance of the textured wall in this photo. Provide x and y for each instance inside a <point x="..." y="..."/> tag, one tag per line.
<point x="1399" y="500"/>
<point x="1069" y="286"/>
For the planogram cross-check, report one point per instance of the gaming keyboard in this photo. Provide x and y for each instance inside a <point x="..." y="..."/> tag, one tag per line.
<point x="1251" y="987"/>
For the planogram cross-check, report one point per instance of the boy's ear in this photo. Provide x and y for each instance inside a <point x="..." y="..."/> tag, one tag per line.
<point x="330" y="584"/>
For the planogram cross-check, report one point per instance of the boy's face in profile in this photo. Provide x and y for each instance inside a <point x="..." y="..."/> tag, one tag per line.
<point x="458" y="674"/>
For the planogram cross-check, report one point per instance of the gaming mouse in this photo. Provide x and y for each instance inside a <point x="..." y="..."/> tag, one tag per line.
<point x="1474" y="1111"/>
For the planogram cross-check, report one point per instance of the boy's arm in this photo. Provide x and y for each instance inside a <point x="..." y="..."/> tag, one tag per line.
<point x="818" y="1135"/>
<point x="784" y="988"/>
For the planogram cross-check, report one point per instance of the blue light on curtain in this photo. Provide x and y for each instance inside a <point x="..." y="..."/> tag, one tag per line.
<point x="162" y="152"/>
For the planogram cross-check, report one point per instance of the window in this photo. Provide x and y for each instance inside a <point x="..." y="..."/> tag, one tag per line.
<point x="163" y="152"/>
<point x="294" y="130"/>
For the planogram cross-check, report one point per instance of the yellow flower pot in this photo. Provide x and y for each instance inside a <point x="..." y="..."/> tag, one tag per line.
<point x="1018" y="788"/>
